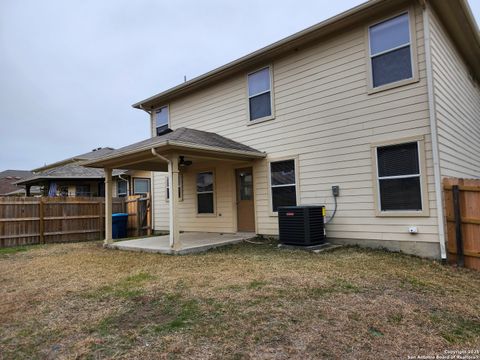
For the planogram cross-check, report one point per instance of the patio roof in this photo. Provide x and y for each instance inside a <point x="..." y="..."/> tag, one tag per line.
<point x="183" y="140"/>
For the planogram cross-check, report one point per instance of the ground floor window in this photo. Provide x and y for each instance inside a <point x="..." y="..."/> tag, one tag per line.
<point x="283" y="184"/>
<point x="205" y="193"/>
<point x="141" y="186"/>
<point x="399" y="177"/>
<point x="82" y="190"/>
<point x="122" y="187"/>
<point x="180" y="187"/>
<point x="62" y="190"/>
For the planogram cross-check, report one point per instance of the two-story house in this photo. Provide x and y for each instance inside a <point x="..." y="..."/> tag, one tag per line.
<point x="382" y="100"/>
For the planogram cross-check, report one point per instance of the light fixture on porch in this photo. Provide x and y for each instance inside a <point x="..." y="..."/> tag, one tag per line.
<point x="183" y="162"/>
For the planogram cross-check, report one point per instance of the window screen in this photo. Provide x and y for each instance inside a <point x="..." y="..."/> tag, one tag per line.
<point x="141" y="186"/>
<point x="399" y="177"/>
<point x="161" y="119"/>
<point x="122" y="187"/>
<point x="205" y="193"/>
<point x="259" y="96"/>
<point x="390" y="51"/>
<point x="282" y="180"/>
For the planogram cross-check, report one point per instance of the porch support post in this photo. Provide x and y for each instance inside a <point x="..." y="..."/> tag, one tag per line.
<point x="108" y="206"/>
<point x="173" y="171"/>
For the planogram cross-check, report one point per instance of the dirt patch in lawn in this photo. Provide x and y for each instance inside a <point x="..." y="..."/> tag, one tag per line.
<point x="243" y="301"/>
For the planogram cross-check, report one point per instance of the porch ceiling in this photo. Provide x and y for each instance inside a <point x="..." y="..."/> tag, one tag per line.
<point x="183" y="141"/>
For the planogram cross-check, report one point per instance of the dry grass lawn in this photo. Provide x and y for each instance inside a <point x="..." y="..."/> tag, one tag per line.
<point x="244" y="301"/>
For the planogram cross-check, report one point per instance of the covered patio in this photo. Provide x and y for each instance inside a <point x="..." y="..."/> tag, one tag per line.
<point x="190" y="242"/>
<point x="172" y="153"/>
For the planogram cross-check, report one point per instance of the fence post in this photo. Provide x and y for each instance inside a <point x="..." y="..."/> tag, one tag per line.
<point x="149" y="215"/>
<point x="458" y="225"/>
<point x="41" y="225"/>
<point x="137" y="203"/>
<point x="101" y="228"/>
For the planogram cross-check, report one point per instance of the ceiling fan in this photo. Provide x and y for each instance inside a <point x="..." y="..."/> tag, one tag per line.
<point x="183" y="162"/>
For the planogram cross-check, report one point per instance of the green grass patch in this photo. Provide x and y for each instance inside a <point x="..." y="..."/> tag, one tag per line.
<point x="340" y="286"/>
<point x="256" y="284"/>
<point x="13" y="250"/>
<point x="127" y="288"/>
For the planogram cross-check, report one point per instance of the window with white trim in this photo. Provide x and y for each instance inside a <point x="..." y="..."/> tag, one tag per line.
<point x="161" y="119"/>
<point x="141" y="186"/>
<point x="205" y="193"/>
<point x="399" y="177"/>
<point x="283" y="184"/>
<point x="390" y="51"/>
<point x="180" y="187"/>
<point x="259" y="94"/>
<point x="122" y="187"/>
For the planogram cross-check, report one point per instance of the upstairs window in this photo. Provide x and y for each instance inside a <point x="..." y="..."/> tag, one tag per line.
<point x="259" y="94"/>
<point x="283" y="184"/>
<point x="399" y="180"/>
<point x="390" y="51"/>
<point x="161" y="119"/>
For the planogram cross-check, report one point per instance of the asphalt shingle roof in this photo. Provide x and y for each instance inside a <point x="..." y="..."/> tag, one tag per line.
<point x="8" y="178"/>
<point x="186" y="136"/>
<point x="72" y="169"/>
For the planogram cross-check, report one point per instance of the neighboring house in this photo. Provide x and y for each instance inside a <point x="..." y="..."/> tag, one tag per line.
<point x="69" y="178"/>
<point x="8" y="186"/>
<point x="382" y="100"/>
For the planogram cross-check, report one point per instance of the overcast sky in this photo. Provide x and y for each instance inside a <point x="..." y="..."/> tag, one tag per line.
<point x="70" y="70"/>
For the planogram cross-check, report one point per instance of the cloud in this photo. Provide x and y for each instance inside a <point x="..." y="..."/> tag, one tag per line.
<point x="70" y="70"/>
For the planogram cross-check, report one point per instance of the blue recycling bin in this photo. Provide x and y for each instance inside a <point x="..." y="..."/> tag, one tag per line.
<point x="119" y="225"/>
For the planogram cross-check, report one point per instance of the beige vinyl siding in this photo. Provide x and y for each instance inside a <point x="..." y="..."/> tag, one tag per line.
<point x="160" y="205"/>
<point x="457" y="107"/>
<point x="224" y="219"/>
<point x="325" y="117"/>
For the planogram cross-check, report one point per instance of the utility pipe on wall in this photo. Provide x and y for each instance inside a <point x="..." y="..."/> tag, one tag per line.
<point x="433" y="132"/>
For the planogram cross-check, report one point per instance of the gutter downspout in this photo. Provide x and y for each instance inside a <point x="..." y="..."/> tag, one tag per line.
<point x="434" y="133"/>
<point x="170" y="203"/>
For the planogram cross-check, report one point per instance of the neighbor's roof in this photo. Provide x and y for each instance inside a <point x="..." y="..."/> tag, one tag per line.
<point x="8" y="178"/>
<point x="455" y="15"/>
<point x="69" y="171"/>
<point x="34" y="190"/>
<point x="95" y="153"/>
<point x="183" y="138"/>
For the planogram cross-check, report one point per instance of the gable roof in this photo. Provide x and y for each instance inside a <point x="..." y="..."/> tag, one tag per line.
<point x="455" y="14"/>
<point x="71" y="168"/>
<point x="95" y="153"/>
<point x="8" y="178"/>
<point x="185" y="138"/>
<point x="69" y="171"/>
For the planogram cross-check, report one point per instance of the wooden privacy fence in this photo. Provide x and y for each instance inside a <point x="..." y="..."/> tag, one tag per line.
<point x="462" y="211"/>
<point x="29" y="220"/>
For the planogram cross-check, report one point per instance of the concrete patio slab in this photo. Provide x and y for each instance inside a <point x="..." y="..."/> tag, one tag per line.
<point x="191" y="242"/>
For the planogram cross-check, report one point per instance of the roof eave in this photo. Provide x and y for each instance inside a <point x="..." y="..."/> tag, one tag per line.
<point x="291" y="42"/>
<point x="460" y="23"/>
<point x="179" y="146"/>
